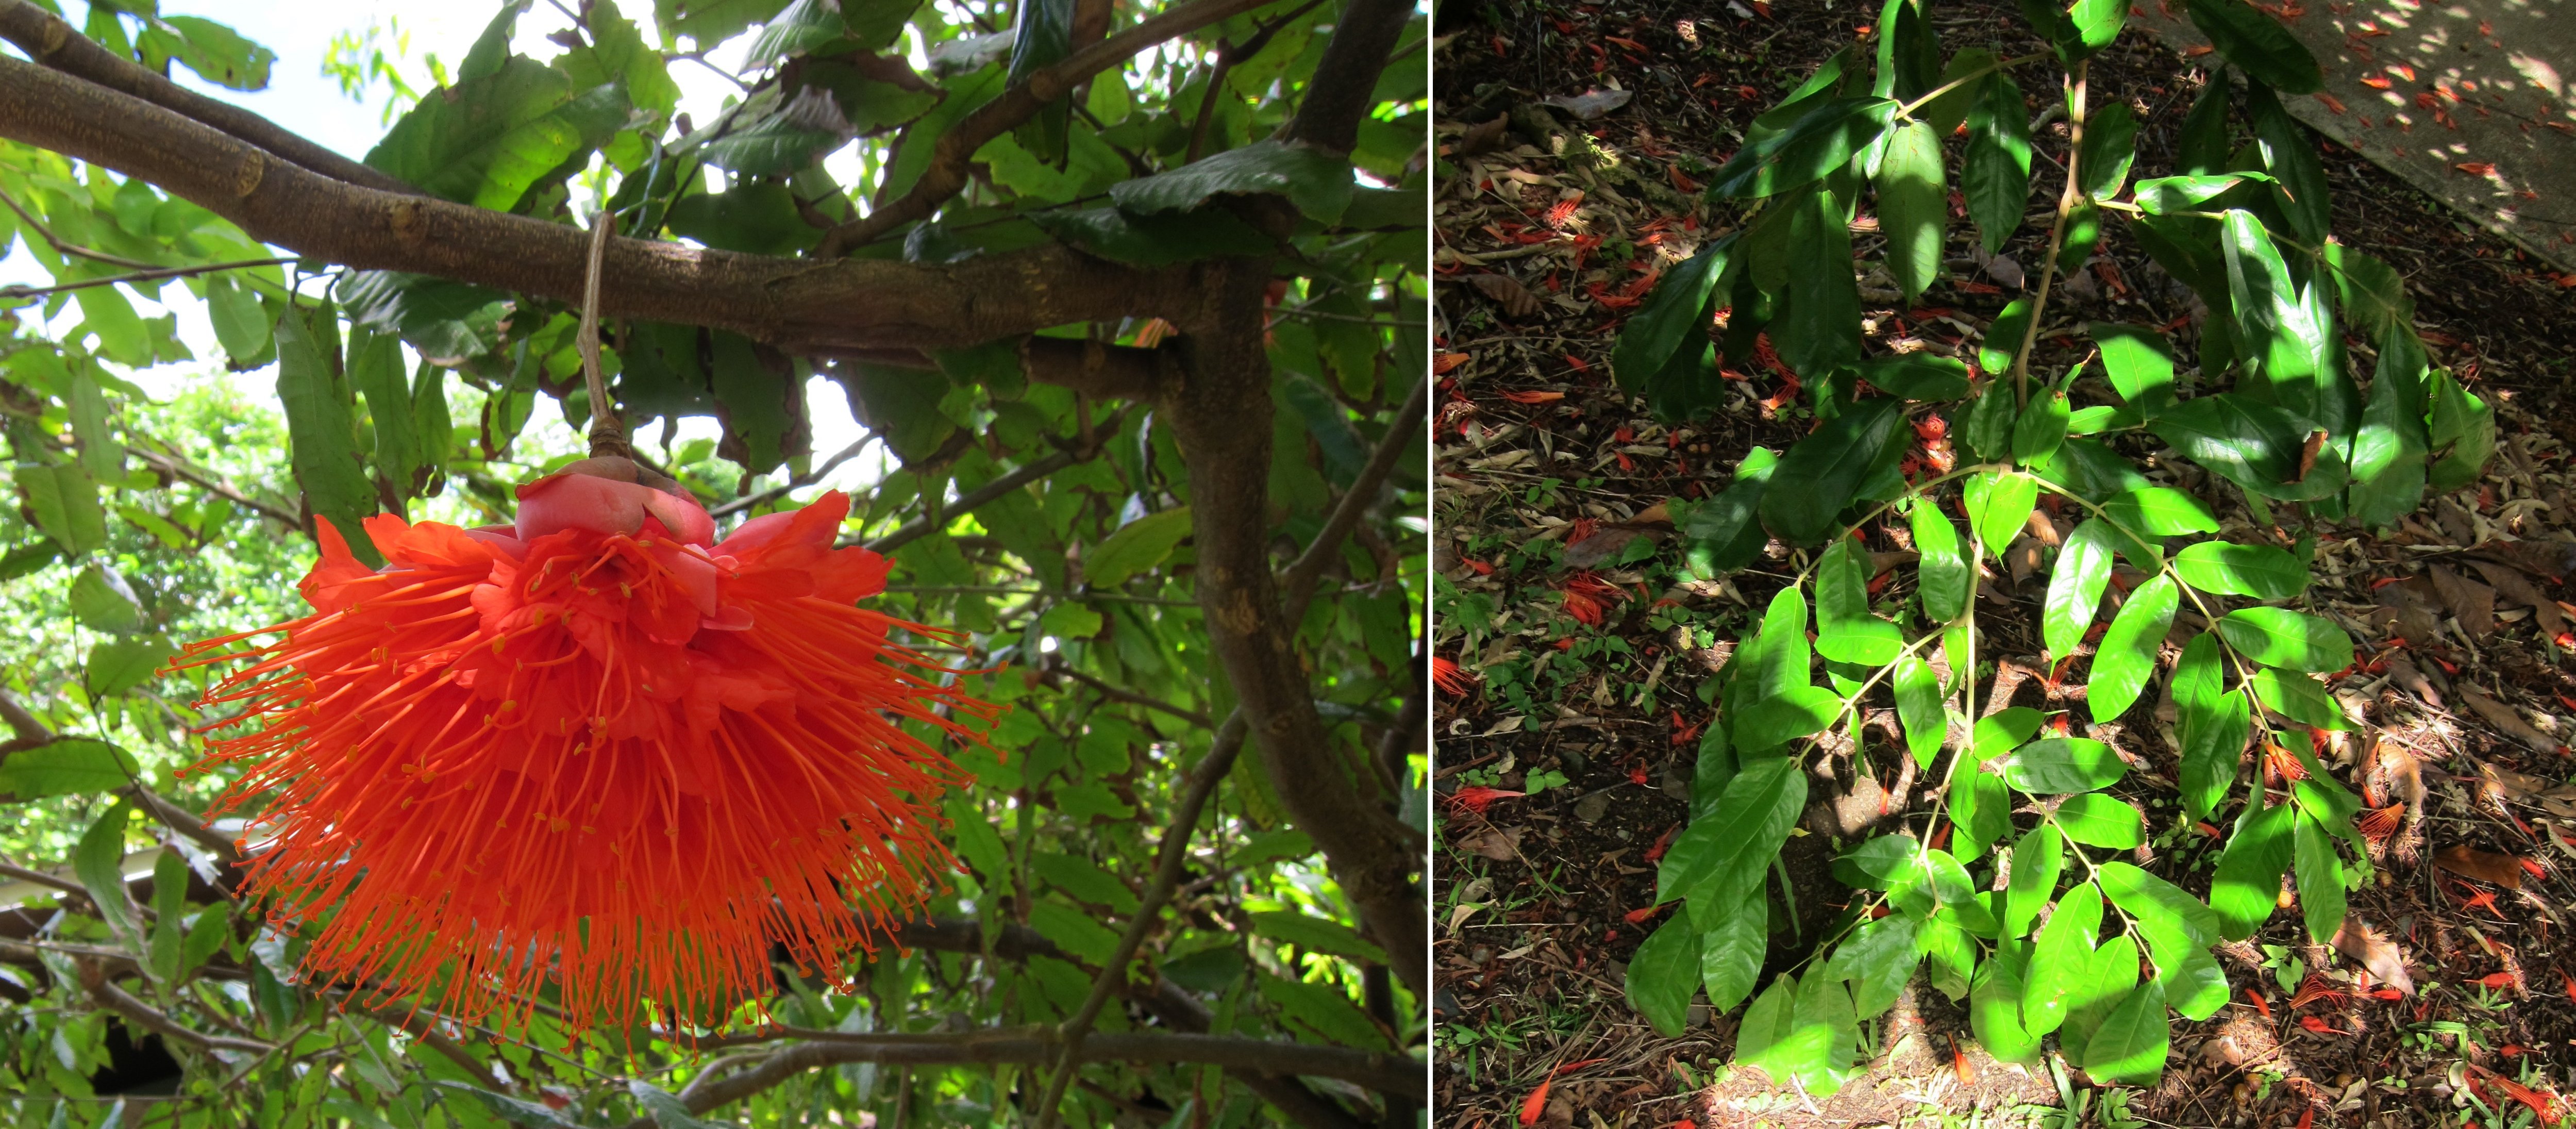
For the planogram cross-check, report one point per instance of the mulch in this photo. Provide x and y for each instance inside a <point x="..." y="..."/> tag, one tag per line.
<point x="1550" y="480"/>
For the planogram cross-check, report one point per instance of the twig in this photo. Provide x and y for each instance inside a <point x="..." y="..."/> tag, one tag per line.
<point x="180" y="820"/>
<point x="947" y="174"/>
<point x="1299" y="581"/>
<point x="1132" y="698"/>
<point x="118" y="1000"/>
<point x="181" y="469"/>
<point x="923" y="526"/>
<point x="61" y="247"/>
<point x="2066" y="201"/>
<point x="21" y="722"/>
<point x="1167" y="873"/>
<point x="1226" y="58"/>
<point x="797" y="483"/>
<point x="20" y="291"/>
<point x="25" y="874"/>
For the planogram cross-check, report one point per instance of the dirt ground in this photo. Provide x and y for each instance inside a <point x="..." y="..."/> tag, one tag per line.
<point x="1544" y="237"/>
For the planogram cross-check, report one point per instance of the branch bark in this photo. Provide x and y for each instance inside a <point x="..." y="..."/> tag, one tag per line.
<point x="800" y="306"/>
<point x="1344" y="85"/>
<point x="955" y="149"/>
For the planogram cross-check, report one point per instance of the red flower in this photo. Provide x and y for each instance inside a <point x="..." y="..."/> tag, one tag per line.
<point x="1451" y="680"/>
<point x="594" y="749"/>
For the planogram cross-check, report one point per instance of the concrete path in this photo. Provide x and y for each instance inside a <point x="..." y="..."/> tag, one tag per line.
<point x="2473" y="101"/>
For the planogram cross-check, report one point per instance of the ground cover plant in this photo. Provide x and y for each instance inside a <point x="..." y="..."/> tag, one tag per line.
<point x="1937" y="517"/>
<point x="1129" y="304"/>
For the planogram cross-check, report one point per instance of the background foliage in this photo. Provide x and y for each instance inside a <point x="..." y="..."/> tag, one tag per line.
<point x="163" y="493"/>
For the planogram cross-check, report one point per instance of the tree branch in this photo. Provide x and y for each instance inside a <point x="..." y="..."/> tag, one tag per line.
<point x="40" y="878"/>
<point x="1299" y="580"/>
<point x="62" y="248"/>
<point x="180" y="820"/>
<point x="956" y="148"/>
<point x="922" y="526"/>
<point x="800" y="306"/>
<point x="1133" y="698"/>
<point x="94" y="980"/>
<point x="24" y="291"/>
<point x="51" y="42"/>
<point x="179" y="468"/>
<point x="1344" y="85"/>
<point x="1098" y="369"/>
<point x="21" y="722"/>
<point x="797" y="483"/>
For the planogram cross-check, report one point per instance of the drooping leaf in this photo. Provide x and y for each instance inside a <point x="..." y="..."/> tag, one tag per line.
<point x="2212" y="724"/>
<point x="1981" y="810"/>
<point x="1913" y="206"/>
<point x="2096" y="820"/>
<point x="1998" y="503"/>
<point x="1135" y="547"/>
<point x="2040" y="429"/>
<point x="1820" y="475"/>
<point x="2388" y="454"/>
<point x="2320" y="879"/>
<point x="1918" y="706"/>
<point x="2058" y="765"/>
<point x="2036" y="862"/>
<point x="98" y="862"/>
<point x="1991" y="416"/>
<point x="1650" y="337"/>
<point x="1664" y="974"/>
<point x="2138" y="361"/>
<point x="1820" y="139"/>
<point x="1845" y="629"/>
<point x="1994" y="1006"/>
<point x="2107" y="980"/>
<point x="2127" y="654"/>
<point x="2060" y="956"/>
<point x="1941" y="572"/>
<point x="2298" y="177"/>
<point x="1876" y="959"/>
<point x="2462" y="433"/>
<point x="318" y="407"/>
<point x="1725" y="532"/>
<point x="2159" y="511"/>
<point x="1916" y="376"/>
<point x="2254" y="445"/>
<point x="1319" y="185"/>
<point x="66" y="766"/>
<point x="2131" y="1045"/>
<point x="2110" y="135"/>
<point x="2249" y="872"/>
<point x="2256" y="45"/>
<point x="1817" y="327"/>
<point x="2075" y="586"/>
<point x="1720" y="861"/>
<point x="1731" y="951"/>
<point x="2300" y="698"/>
<point x="2165" y="195"/>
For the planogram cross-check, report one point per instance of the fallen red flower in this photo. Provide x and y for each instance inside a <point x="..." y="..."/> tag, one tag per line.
<point x="595" y="748"/>
<point x="1451" y="680"/>
<point x="1477" y="798"/>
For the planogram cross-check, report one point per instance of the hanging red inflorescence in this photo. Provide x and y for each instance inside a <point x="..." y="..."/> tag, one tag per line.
<point x="596" y="749"/>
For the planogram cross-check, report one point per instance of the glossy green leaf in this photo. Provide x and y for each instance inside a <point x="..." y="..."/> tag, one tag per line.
<point x="1995" y="352"/>
<point x="1876" y="959"/>
<point x="2179" y="930"/>
<point x="1820" y="139"/>
<point x="2110" y="142"/>
<point x="2254" y="445"/>
<point x="1950" y="956"/>
<point x="1663" y="975"/>
<point x="1135" y="547"/>
<point x="1779" y="655"/>
<point x="1797" y="712"/>
<point x="2204" y="147"/>
<point x="2291" y="640"/>
<point x="1981" y="809"/>
<point x="2286" y="346"/>
<point x="98" y="862"/>
<point x="2138" y="361"/>
<point x="2249" y="871"/>
<point x="1845" y="629"/>
<point x="2040" y="429"/>
<point x="2212" y="723"/>
<point x="2370" y="294"/>
<point x="1150" y="240"/>
<point x="2036" y="862"/>
<point x="1732" y="949"/>
<point x="1919" y="708"/>
<point x="2320" y="879"/>
<point x="2060" y="958"/>
<point x="102" y="601"/>
<point x="1995" y="175"/>
<point x="1650" y="337"/>
<point x="2389" y="453"/>
<point x="2290" y="154"/>
<point x="2300" y="698"/>
<point x="2159" y="511"/>
<point x="2108" y="978"/>
<point x="65" y="504"/>
<point x="2057" y="765"/>
<point x="1917" y="376"/>
<point x="2126" y="656"/>
<point x="2096" y="820"/>
<point x="318" y="407"/>
<point x="1817" y="326"/>
<point x="1721" y="860"/>
<point x="1994" y="1006"/>
<point x="1725" y="532"/>
<point x="1941" y="571"/>
<point x="2257" y="45"/>
<point x="2228" y="569"/>
<point x="1987" y="434"/>
<point x="1913" y="207"/>
<point x="66" y="766"/>
<point x="2004" y="730"/>
<point x="2462" y="432"/>
<point x="1822" y="473"/>
<point x="2083" y="229"/>
<point x="2075" y="585"/>
<point x="2169" y="194"/>
<point x="2131" y="1045"/>
<point x="1316" y="182"/>
<point x="1998" y="503"/>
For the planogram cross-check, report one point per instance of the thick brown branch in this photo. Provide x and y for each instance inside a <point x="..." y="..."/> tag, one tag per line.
<point x="40" y="878"/>
<point x="48" y="40"/>
<point x="1222" y="419"/>
<point x="1107" y="372"/>
<point x="1344" y="86"/>
<point x="21" y="722"/>
<point x="956" y="148"/>
<point x="800" y="306"/>
<point x="118" y="1000"/>
<point x="179" y="820"/>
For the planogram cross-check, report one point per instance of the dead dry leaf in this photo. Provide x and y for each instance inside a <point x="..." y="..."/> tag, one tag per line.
<point x="1482" y="138"/>
<point x="2410" y="679"/>
<point x="2378" y="954"/>
<point x="2503" y="717"/>
<point x="1506" y="291"/>
<point x="2485" y="866"/>
<point x="1590" y="105"/>
<point x="2515" y="587"/>
<point x="1501" y="844"/>
<point x="1605" y="546"/>
<point x="2472" y="602"/>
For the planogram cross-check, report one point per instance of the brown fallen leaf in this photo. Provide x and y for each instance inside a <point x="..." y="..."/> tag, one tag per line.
<point x="1606" y="544"/>
<point x="2458" y="525"/>
<point x="2506" y="784"/>
<point x="2472" y="602"/>
<point x="1507" y="292"/>
<point x="2410" y="679"/>
<point x="2378" y="954"/>
<point x="2515" y="587"/>
<point x="1501" y="844"/>
<point x="2503" y="717"/>
<point x="2485" y="866"/>
<point x="2407" y="610"/>
<point x="1483" y="138"/>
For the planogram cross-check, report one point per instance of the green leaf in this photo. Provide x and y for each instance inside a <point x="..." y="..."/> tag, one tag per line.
<point x="1801" y="1031"/>
<point x="2127" y="654"/>
<point x="2058" y="765"/>
<point x="2256" y="45"/>
<point x="2291" y="640"/>
<point x="375" y="372"/>
<point x="2138" y="361"/>
<point x="2299" y="178"/>
<point x="2037" y="861"/>
<point x="1981" y="809"/>
<point x="617" y="53"/>
<point x="2133" y="1040"/>
<point x="709" y="22"/>
<point x="98" y="861"/>
<point x="2004" y="730"/>
<point x="1952" y="964"/>
<point x="2159" y="511"/>
<point x="2285" y="345"/>
<point x="102" y="601"/>
<point x="1086" y="881"/>
<point x="1779" y="657"/>
<point x="1731" y="951"/>
<point x="321" y="433"/>
<point x="1948" y="111"/>
<point x="2109" y="976"/>
<point x="2463" y="434"/>
<point x="2083" y="229"/>
<point x="2212" y="724"/>
<point x="1909" y="56"/>
<point x="1154" y="241"/>
<point x="1917" y="376"/>
<point x="1913" y="207"/>
<point x="2300" y="698"/>
<point x="1941" y="572"/>
<point x="2388" y="454"/>
<point x="1820" y="139"/>
<point x="2229" y="569"/>
<point x="2075" y="586"/>
<point x="1876" y="959"/>
<point x="1823" y="472"/>
<point x="2040" y="430"/>
<point x="449" y="322"/>
<point x="1998" y="504"/>
<point x="487" y="139"/>
<point x="2096" y="820"/>
<point x="1316" y="182"/>
<point x="1679" y="303"/>
<point x="65" y="503"/>
<point x="2110" y="137"/>
<point x="1664" y="974"/>
<point x="1995" y="174"/>
<point x="1845" y="629"/>
<point x="534" y="1115"/>
<point x="1994" y="1006"/>
<point x="241" y="326"/>
<point x="1918" y="706"/>
<point x="2179" y="929"/>
<point x="66" y="766"/>
<point x="1136" y="547"/>
<point x="118" y="665"/>
<point x="665" y="1109"/>
<point x="1725" y="532"/>
<point x="2249" y="873"/>
<point x="2254" y="445"/>
<point x="1817" y="326"/>
<point x="2204" y="147"/>
<point x="2371" y="294"/>
<point x="2320" y="876"/>
<point x="1719" y="862"/>
<point x="1797" y="712"/>
<point x="1995" y="352"/>
<point x="2060" y="958"/>
<point x="2165" y="195"/>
